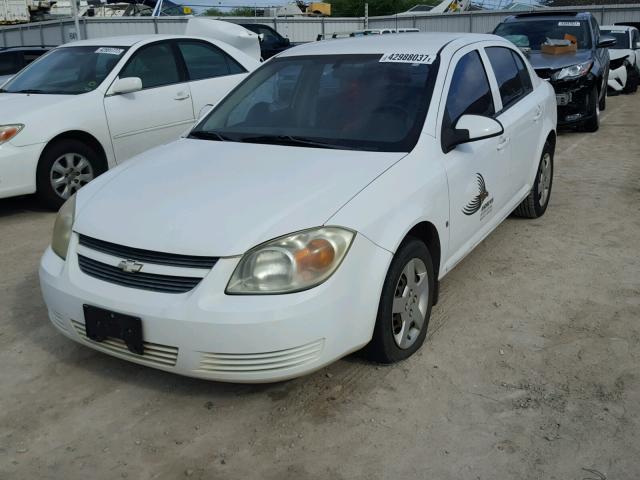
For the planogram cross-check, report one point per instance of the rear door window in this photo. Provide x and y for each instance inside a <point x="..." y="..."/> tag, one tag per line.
<point x="508" y="75"/>
<point x="469" y="92"/>
<point x="204" y="60"/>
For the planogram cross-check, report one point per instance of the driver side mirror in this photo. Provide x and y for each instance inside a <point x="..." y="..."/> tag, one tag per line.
<point x="126" y="85"/>
<point x="287" y="42"/>
<point x="204" y="111"/>
<point x="606" y="42"/>
<point x="470" y="128"/>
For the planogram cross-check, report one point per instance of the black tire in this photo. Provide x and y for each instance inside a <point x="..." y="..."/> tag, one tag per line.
<point x="532" y="207"/>
<point x="632" y="81"/>
<point x="603" y="101"/>
<point x="593" y="123"/>
<point x="45" y="191"/>
<point x="383" y="347"/>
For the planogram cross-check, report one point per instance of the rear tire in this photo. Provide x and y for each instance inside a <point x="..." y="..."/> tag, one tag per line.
<point x="64" y="167"/>
<point x="405" y="304"/>
<point x="593" y="110"/>
<point x="537" y="201"/>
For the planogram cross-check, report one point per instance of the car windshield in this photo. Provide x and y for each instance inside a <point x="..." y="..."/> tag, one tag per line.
<point x="67" y="71"/>
<point x="537" y="31"/>
<point x="622" y="38"/>
<point x="355" y="102"/>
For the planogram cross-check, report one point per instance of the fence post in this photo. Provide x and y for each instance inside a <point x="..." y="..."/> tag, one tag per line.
<point x="41" y="36"/>
<point x="470" y="22"/>
<point x="62" y="33"/>
<point x="322" y="26"/>
<point x="155" y="24"/>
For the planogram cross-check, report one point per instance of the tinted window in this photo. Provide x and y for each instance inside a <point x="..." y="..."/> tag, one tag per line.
<point x="207" y="61"/>
<point x="155" y="65"/>
<point x="31" y="55"/>
<point x="533" y="33"/>
<point x="525" y="77"/>
<point x="469" y="92"/>
<point x="507" y="75"/>
<point x="339" y="101"/>
<point x="67" y="70"/>
<point x="9" y="63"/>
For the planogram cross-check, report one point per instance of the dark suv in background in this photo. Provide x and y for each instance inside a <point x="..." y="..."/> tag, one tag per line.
<point x="580" y="77"/>
<point x="14" y="59"/>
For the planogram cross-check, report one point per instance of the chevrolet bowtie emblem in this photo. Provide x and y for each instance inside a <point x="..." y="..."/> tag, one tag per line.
<point x="130" y="266"/>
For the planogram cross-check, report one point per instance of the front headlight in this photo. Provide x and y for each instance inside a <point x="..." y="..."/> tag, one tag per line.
<point x="7" y="132"/>
<point x="62" y="228"/>
<point x="291" y="263"/>
<point x="573" y="71"/>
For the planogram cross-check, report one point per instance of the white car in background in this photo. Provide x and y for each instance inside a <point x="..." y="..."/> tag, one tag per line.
<point x="89" y="105"/>
<point x="310" y="213"/>
<point x="624" y="72"/>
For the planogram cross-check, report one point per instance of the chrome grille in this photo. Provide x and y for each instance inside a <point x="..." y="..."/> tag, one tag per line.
<point x="148" y="256"/>
<point x="154" y="353"/>
<point x="144" y="281"/>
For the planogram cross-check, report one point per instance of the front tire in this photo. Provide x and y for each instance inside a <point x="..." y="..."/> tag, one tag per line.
<point x="593" y="111"/>
<point x="405" y="304"/>
<point x="64" y="167"/>
<point x="537" y="201"/>
<point x="632" y="81"/>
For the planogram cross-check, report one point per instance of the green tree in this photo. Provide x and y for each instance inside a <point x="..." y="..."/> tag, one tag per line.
<point x="242" y="12"/>
<point x="213" y="12"/>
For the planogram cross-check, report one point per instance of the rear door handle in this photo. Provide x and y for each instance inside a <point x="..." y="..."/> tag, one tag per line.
<point x="538" y="114"/>
<point x="504" y="141"/>
<point x="182" y="95"/>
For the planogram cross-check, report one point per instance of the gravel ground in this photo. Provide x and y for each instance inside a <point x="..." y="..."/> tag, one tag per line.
<point x="530" y="370"/>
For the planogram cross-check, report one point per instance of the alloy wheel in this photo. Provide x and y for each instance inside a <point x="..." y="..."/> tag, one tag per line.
<point x="69" y="173"/>
<point x="410" y="303"/>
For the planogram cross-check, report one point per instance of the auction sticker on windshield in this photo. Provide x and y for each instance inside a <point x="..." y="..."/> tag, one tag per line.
<point x="407" y="58"/>
<point x="568" y="24"/>
<point x="110" y="51"/>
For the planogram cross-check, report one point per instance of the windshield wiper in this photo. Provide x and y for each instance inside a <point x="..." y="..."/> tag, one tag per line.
<point x="28" y="90"/>
<point x="208" y="135"/>
<point x="292" y="141"/>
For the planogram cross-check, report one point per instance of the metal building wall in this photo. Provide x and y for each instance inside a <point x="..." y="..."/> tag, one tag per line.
<point x="303" y="29"/>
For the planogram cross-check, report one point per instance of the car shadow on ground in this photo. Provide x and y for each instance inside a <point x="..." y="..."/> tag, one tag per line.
<point x="23" y="204"/>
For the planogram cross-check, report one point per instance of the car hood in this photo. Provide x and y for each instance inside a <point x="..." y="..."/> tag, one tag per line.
<point x="619" y="53"/>
<point x="540" y="60"/>
<point x="16" y="107"/>
<point x="199" y="197"/>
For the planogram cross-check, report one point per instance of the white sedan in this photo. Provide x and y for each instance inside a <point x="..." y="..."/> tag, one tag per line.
<point x="89" y="105"/>
<point x="311" y="213"/>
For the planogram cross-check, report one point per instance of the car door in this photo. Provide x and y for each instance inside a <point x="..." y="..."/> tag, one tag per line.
<point x="157" y="114"/>
<point x="521" y="112"/>
<point x="212" y="72"/>
<point x="477" y="172"/>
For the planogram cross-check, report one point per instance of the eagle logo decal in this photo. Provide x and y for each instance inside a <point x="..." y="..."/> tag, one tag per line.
<point x="474" y="205"/>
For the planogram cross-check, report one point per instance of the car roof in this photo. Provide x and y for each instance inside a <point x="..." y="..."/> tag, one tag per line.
<point x="530" y="16"/>
<point x="120" y="41"/>
<point x="626" y="28"/>
<point x="24" y="49"/>
<point x="428" y="43"/>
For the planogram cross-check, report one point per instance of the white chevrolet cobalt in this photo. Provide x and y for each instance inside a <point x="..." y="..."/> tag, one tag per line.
<point x="89" y="105"/>
<point x="310" y="214"/>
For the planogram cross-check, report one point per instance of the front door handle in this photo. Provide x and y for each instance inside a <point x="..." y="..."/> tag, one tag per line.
<point x="181" y="95"/>
<point x="504" y="141"/>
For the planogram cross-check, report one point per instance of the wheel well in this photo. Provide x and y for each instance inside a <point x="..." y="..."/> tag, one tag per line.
<point x="428" y="233"/>
<point x="86" y="138"/>
<point x="551" y="138"/>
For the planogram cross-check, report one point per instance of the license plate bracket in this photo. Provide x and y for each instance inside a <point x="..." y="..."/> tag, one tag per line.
<point x="101" y="324"/>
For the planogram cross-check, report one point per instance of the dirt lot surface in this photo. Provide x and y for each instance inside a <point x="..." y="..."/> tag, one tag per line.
<point x="530" y="371"/>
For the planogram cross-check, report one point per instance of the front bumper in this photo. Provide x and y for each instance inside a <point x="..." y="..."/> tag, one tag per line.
<point x="238" y="338"/>
<point x="18" y="169"/>
<point x="617" y="78"/>
<point x="572" y="97"/>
